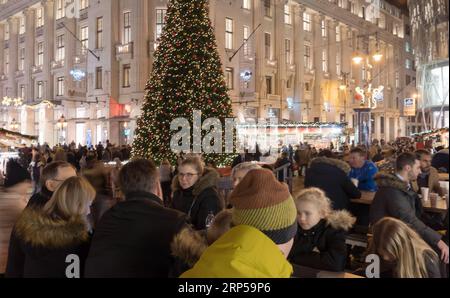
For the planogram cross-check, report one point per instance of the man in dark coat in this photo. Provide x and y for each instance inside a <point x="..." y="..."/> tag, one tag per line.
<point x="330" y="175"/>
<point x="396" y="198"/>
<point x="133" y="238"/>
<point x="52" y="176"/>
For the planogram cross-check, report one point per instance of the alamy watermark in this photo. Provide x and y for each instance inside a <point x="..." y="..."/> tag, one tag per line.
<point x="210" y="136"/>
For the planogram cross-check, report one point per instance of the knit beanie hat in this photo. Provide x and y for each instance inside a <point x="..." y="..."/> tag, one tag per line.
<point x="261" y="201"/>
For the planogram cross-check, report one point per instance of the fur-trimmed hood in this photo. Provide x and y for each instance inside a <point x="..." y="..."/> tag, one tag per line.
<point x="39" y="230"/>
<point x="389" y="180"/>
<point x="345" y="167"/>
<point x="209" y="179"/>
<point x="341" y="220"/>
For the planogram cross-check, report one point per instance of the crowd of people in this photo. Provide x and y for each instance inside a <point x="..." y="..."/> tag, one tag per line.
<point x="142" y="220"/>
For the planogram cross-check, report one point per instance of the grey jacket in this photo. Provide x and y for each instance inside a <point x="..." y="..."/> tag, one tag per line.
<point x="393" y="199"/>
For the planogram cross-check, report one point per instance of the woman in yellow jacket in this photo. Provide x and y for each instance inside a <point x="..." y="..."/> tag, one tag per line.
<point x="263" y="226"/>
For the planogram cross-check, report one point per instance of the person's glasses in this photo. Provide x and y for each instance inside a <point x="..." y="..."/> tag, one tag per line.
<point x="187" y="175"/>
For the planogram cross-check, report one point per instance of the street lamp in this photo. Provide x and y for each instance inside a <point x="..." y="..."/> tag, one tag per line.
<point x="62" y="124"/>
<point x="14" y="125"/>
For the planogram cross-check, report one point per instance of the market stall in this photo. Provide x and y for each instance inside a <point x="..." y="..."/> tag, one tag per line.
<point x="273" y="136"/>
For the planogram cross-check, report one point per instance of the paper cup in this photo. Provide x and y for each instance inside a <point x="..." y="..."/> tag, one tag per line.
<point x="433" y="199"/>
<point x="355" y="182"/>
<point x="425" y="192"/>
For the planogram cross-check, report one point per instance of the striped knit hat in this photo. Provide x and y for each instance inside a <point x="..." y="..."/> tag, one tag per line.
<point x="261" y="201"/>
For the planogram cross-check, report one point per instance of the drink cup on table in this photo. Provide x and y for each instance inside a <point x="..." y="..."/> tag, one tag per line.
<point x="425" y="192"/>
<point x="355" y="182"/>
<point x="433" y="199"/>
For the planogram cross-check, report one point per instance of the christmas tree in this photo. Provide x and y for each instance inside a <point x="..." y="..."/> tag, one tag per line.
<point x="187" y="75"/>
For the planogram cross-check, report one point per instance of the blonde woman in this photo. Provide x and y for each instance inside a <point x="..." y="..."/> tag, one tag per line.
<point x="43" y="238"/>
<point x="403" y="253"/>
<point x="320" y="239"/>
<point x="238" y="173"/>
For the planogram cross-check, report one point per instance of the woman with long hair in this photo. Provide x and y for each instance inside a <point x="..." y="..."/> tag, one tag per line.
<point x="403" y="253"/>
<point x="43" y="238"/>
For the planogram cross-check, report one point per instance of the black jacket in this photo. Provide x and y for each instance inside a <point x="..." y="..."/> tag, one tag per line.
<point x="40" y="199"/>
<point x="323" y="247"/>
<point x="394" y="199"/>
<point x="199" y="200"/>
<point x="331" y="176"/>
<point x="133" y="238"/>
<point x="39" y="245"/>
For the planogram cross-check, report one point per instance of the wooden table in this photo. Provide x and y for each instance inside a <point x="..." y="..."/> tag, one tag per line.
<point x="307" y="272"/>
<point x="367" y="198"/>
<point x="443" y="176"/>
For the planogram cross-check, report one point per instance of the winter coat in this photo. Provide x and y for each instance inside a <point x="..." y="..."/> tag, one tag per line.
<point x="199" y="200"/>
<point x="133" y="239"/>
<point x="39" y="245"/>
<point x="331" y="175"/>
<point x="395" y="199"/>
<point x="243" y="252"/>
<point x="302" y="156"/>
<point x="440" y="161"/>
<point x="365" y="176"/>
<point x="433" y="183"/>
<point x="323" y="247"/>
<point x="40" y="199"/>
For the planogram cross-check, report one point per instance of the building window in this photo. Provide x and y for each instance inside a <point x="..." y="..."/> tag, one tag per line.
<point x="160" y="21"/>
<point x="98" y="78"/>
<point x="40" y="54"/>
<point x="6" y="31"/>
<point x="363" y="73"/>
<point x="21" y="25"/>
<point x="22" y="91"/>
<point x="60" y="86"/>
<point x="408" y="64"/>
<point x="287" y="48"/>
<point x="338" y="34"/>
<point x="40" y="89"/>
<point x="246" y="4"/>
<point x="338" y="64"/>
<point x="60" y="9"/>
<point x="408" y="80"/>
<point x="324" y="61"/>
<point x="397" y="79"/>
<point x="126" y="27"/>
<point x="228" y="33"/>
<point x="307" y="57"/>
<point x="84" y="37"/>
<point x="267" y="46"/>
<point x="126" y="76"/>
<point x="306" y="22"/>
<point x="6" y="61"/>
<point x="268" y="8"/>
<point x="269" y="84"/>
<point x="21" y="59"/>
<point x="382" y="125"/>
<point x="307" y="86"/>
<point x="39" y="17"/>
<point x="408" y="47"/>
<point x="99" y="27"/>
<point x="323" y="27"/>
<point x="84" y="4"/>
<point x="246" y="36"/>
<point x="287" y="14"/>
<point x="60" y="53"/>
<point x="229" y="77"/>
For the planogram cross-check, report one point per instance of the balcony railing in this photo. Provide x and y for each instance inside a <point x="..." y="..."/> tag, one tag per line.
<point x="36" y="69"/>
<point x="124" y="49"/>
<point x="57" y="64"/>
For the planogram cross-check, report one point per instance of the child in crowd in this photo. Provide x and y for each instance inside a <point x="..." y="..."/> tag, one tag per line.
<point x="403" y="253"/>
<point x="320" y="239"/>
